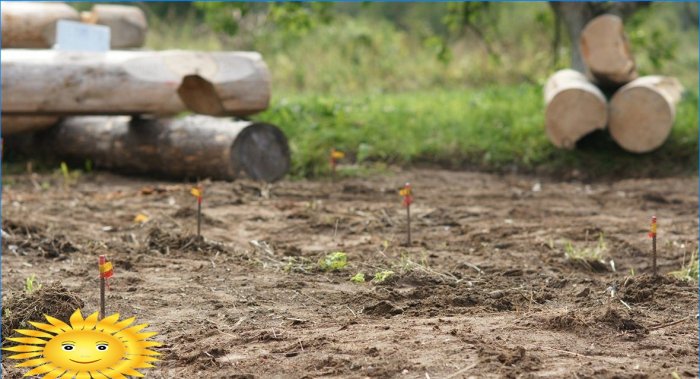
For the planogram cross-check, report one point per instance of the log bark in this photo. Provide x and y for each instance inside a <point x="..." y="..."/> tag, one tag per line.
<point x="24" y="124"/>
<point x="128" y="25"/>
<point x="194" y="147"/>
<point x="643" y="111"/>
<point x="606" y="52"/>
<point x="33" y="24"/>
<point x="46" y="82"/>
<point x="575" y="107"/>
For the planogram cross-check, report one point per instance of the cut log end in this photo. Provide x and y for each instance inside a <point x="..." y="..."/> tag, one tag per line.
<point x="575" y="108"/>
<point x="606" y="52"/>
<point x="262" y="152"/>
<point x="642" y="113"/>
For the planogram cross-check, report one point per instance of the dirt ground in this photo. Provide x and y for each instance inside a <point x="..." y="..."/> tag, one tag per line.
<point x="485" y="290"/>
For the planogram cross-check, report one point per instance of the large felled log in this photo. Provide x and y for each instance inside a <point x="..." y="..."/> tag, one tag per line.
<point x="128" y="25"/>
<point x="46" y="82"/>
<point x="33" y="24"/>
<point x="190" y="147"/>
<point x="606" y="52"/>
<point x="642" y="112"/>
<point x="575" y="107"/>
<point x="24" y="124"/>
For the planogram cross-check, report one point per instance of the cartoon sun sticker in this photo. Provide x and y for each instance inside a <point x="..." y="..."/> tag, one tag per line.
<point x="87" y="348"/>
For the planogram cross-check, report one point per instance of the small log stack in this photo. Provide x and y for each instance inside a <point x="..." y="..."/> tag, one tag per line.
<point x="640" y="113"/>
<point x="114" y="107"/>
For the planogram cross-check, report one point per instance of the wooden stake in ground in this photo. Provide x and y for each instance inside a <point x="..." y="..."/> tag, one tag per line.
<point x="106" y="272"/>
<point x="407" y="194"/>
<point x="336" y="155"/>
<point x="652" y="235"/>
<point x="606" y="52"/>
<point x="197" y="192"/>
<point x="642" y="112"/>
<point x="575" y="107"/>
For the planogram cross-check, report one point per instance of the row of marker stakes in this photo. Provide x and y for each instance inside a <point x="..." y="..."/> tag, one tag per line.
<point x="107" y="271"/>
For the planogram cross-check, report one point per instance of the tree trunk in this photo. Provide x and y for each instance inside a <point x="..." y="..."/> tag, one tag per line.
<point x="194" y="147"/>
<point x="642" y="112"/>
<point x="128" y="25"/>
<point x="45" y="82"/>
<point x="23" y="124"/>
<point x="33" y="25"/>
<point x="575" y="107"/>
<point x="576" y="15"/>
<point x="606" y="52"/>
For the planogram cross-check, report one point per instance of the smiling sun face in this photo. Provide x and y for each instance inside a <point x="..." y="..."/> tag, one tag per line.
<point x="87" y="348"/>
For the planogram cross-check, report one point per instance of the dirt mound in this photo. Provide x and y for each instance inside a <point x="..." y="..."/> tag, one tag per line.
<point x="165" y="243"/>
<point x="383" y="308"/>
<point x="53" y="300"/>
<point x="614" y="319"/>
<point x="646" y="287"/>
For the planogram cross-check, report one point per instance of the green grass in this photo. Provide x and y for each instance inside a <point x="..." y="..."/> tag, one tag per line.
<point x="689" y="271"/>
<point x="493" y="128"/>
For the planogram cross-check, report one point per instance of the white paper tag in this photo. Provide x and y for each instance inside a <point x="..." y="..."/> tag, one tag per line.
<point x="78" y="36"/>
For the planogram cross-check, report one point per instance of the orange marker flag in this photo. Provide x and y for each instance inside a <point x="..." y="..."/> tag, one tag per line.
<point x="336" y="155"/>
<point x="106" y="270"/>
<point x="197" y="192"/>
<point x="407" y="194"/>
<point x="652" y="231"/>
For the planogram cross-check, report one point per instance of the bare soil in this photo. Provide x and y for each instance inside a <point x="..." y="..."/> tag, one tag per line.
<point x="485" y="290"/>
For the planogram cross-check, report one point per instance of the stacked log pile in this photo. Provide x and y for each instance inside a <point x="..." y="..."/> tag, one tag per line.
<point x="641" y="111"/>
<point x="68" y="96"/>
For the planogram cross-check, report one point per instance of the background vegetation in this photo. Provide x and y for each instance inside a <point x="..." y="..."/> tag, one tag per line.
<point x="457" y="84"/>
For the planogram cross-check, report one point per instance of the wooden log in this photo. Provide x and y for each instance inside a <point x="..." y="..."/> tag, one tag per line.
<point x="33" y="24"/>
<point x="24" y="124"/>
<point x="606" y="52"/>
<point x="128" y="25"/>
<point x="194" y="147"/>
<point x="574" y="108"/>
<point x="642" y="112"/>
<point x="46" y="82"/>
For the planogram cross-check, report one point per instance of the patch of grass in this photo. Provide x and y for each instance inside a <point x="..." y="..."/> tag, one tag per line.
<point x="383" y="276"/>
<point x="31" y="284"/>
<point x="589" y="257"/>
<point x="689" y="271"/>
<point x="333" y="262"/>
<point x="358" y="278"/>
<point x="494" y="128"/>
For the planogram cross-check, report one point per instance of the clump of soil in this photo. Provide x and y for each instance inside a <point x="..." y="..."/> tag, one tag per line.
<point x="23" y="237"/>
<point x="644" y="288"/>
<point x="568" y="321"/>
<point x="383" y="308"/>
<point x="624" y="324"/>
<point x="191" y="214"/>
<point x="53" y="300"/>
<point x="164" y="242"/>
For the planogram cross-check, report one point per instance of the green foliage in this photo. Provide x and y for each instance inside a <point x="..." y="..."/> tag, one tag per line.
<point x="31" y="284"/>
<point x="689" y="271"/>
<point x="587" y="255"/>
<point x="383" y="276"/>
<point x="358" y="278"/>
<point x="333" y="262"/>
